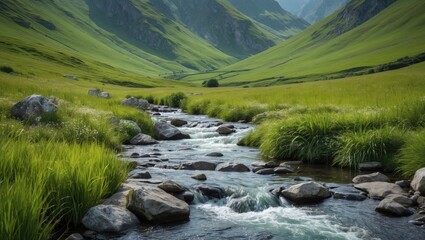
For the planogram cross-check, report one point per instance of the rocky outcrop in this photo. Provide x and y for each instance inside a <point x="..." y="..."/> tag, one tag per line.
<point x="418" y="182"/>
<point x="109" y="218"/>
<point x="34" y="107"/>
<point x="165" y="131"/>
<point x="199" y="165"/>
<point x="155" y="205"/>
<point x="373" y="177"/>
<point x="309" y="192"/>
<point x="232" y="167"/>
<point x="142" y="139"/>
<point x="379" y="190"/>
<point x="141" y="104"/>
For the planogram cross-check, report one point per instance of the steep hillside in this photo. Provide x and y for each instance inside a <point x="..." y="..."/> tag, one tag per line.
<point x="332" y="48"/>
<point x="269" y="13"/>
<point x="219" y="23"/>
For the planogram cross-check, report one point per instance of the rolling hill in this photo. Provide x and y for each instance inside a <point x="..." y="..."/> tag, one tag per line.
<point x="356" y="39"/>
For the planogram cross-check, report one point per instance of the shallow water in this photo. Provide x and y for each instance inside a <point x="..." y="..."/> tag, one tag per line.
<point x="250" y="211"/>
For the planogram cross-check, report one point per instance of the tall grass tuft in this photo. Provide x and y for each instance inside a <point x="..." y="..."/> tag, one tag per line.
<point x="412" y="155"/>
<point x="379" y="145"/>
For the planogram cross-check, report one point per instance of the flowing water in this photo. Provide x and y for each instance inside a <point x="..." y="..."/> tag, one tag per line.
<point x="250" y="211"/>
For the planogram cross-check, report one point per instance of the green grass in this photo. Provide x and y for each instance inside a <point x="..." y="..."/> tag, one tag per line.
<point x="412" y="155"/>
<point x="394" y="33"/>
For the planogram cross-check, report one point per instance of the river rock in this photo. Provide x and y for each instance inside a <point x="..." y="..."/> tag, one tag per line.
<point x="211" y="191"/>
<point x="403" y="184"/>
<point x="75" y="236"/>
<point x="137" y="103"/>
<point x="178" y="122"/>
<point x="108" y="218"/>
<point x="380" y="190"/>
<point x="349" y="196"/>
<point x="226" y="125"/>
<point x="199" y="165"/>
<point x="165" y="131"/>
<point x="171" y="187"/>
<point x="215" y="154"/>
<point x="310" y="192"/>
<point x="200" y="177"/>
<point x="142" y="139"/>
<point x="271" y="164"/>
<point x="33" y="107"/>
<point x="120" y="198"/>
<point x="373" y="177"/>
<point x="395" y="204"/>
<point x="155" y="205"/>
<point x="283" y="170"/>
<point x="418" y="182"/>
<point x="186" y="196"/>
<point x="265" y="171"/>
<point x="141" y="175"/>
<point x="222" y="130"/>
<point x="232" y="167"/>
<point x="371" y="166"/>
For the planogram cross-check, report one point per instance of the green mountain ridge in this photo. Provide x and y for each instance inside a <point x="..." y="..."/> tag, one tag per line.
<point x="342" y="42"/>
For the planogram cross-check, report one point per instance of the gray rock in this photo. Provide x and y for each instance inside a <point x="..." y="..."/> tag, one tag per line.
<point x="120" y="198"/>
<point x="271" y="164"/>
<point x="418" y="182"/>
<point x="211" y="191"/>
<point x="276" y="192"/>
<point x="131" y="125"/>
<point x="380" y="190"/>
<point x="200" y="177"/>
<point x="215" y="154"/>
<point x="186" y="196"/>
<point x="178" y="122"/>
<point x="309" y="192"/>
<point x="256" y="169"/>
<point x="155" y="205"/>
<point x="421" y="201"/>
<point x="290" y="163"/>
<point x="165" y="131"/>
<point x="265" y="171"/>
<point x="232" y="167"/>
<point x="34" y="107"/>
<point x="283" y="170"/>
<point x="199" y="165"/>
<point x="222" y="130"/>
<point x="104" y="95"/>
<point x="75" y="236"/>
<point x="373" y="177"/>
<point x="89" y="234"/>
<point x="226" y="125"/>
<point x="371" y="166"/>
<point x="94" y="92"/>
<point x="260" y="164"/>
<point x="142" y="139"/>
<point x="171" y="187"/>
<point x="141" y="175"/>
<point x="403" y="184"/>
<point x="141" y="104"/>
<point x="349" y="196"/>
<point x="108" y="218"/>
<point x="396" y="205"/>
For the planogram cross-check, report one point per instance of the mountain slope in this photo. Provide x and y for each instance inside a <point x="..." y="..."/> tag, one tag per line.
<point x="393" y="33"/>
<point x="269" y="13"/>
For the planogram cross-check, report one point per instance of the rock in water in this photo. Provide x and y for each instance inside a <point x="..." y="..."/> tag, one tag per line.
<point x="199" y="165"/>
<point x="178" y="122"/>
<point x="165" y="131"/>
<point x="380" y="190"/>
<point x="371" y="166"/>
<point x="109" y="218"/>
<point x="418" y="182"/>
<point x="232" y="167"/>
<point x="215" y="154"/>
<point x="33" y="107"/>
<point x="373" y="177"/>
<point x="211" y="191"/>
<point x="222" y="130"/>
<point x="309" y="192"/>
<point x="395" y="204"/>
<point x="142" y="139"/>
<point x="283" y="170"/>
<point x="200" y="177"/>
<point x="265" y="171"/>
<point x="155" y="205"/>
<point x="171" y="187"/>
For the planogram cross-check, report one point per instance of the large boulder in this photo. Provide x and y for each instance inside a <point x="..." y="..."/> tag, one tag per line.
<point x="142" y="139"/>
<point x="232" y="167"/>
<point x="120" y="198"/>
<point x="141" y="104"/>
<point x="155" y="205"/>
<point x="373" y="177"/>
<point x="178" y="122"/>
<point x="171" y="187"/>
<point x="34" y="107"/>
<point x="395" y="204"/>
<point x="371" y="166"/>
<point x="165" y="131"/>
<point x="379" y="190"/>
<point x="418" y="182"/>
<point x="211" y="191"/>
<point x="309" y="192"/>
<point x="199" y="165"/>
<point x="109" y="218"/>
